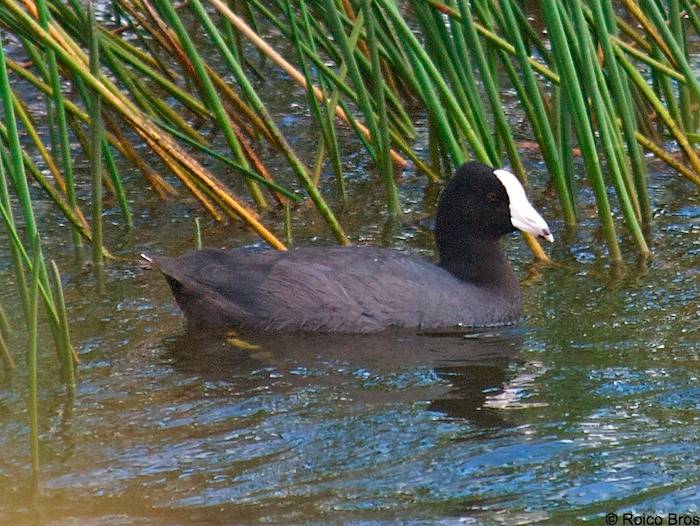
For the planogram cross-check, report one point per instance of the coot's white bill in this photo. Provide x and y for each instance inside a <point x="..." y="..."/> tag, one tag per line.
<point x="522" y="214"/>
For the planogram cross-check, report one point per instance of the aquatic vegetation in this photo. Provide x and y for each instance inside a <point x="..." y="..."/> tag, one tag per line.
<point x="366" y="65"/>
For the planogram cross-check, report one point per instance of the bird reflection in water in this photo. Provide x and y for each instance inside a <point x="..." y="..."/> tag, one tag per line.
<point x="463" y="370"/>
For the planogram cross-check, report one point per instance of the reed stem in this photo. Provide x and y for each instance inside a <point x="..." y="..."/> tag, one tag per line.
<point x="61" y="121"/>
<point x="32" y="373"/>
<point x="96" y="134"/>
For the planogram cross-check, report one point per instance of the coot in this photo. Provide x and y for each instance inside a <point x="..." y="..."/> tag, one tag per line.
<point x="368" y="289"/>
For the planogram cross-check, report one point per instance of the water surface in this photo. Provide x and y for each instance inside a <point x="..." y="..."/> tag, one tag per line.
<point x="590" y="406"/>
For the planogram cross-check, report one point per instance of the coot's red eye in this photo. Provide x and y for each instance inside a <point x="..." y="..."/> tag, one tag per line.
<point x="492" y="197"/>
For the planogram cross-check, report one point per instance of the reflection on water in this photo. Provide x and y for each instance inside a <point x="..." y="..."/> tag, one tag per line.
<point x="458" y="372"/>
<point x="263" y="427"/>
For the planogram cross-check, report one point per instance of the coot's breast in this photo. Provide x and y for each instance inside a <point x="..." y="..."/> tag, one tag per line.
<point x="332" y="290"/>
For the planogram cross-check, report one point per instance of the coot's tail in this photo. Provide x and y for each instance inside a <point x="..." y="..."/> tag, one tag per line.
<point x="202" y="306"/>
<point x="170" y="270"/>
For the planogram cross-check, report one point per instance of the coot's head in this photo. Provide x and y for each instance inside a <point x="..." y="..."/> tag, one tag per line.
<point x="481" y="203"/>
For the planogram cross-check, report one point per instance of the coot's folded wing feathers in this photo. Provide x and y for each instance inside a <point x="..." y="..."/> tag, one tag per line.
<point x="356" y="290"/>
<point x="235" y="275"/>
<point x="331" y="289"/>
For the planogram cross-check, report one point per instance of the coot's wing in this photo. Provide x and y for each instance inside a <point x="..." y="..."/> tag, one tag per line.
<point x="329" y="289"/>
<point x="352" y="290"/>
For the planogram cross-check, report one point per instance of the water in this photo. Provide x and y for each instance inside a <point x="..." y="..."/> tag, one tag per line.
<point x="589" y="407"/>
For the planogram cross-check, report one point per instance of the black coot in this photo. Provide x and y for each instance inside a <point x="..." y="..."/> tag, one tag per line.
<point x="366" y="289"/>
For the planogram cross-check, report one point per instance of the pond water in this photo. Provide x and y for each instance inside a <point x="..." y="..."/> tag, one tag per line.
<point x="590" y="406"/>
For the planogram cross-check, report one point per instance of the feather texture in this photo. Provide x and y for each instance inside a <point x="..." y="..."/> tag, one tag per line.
<point x="339" y="289"/>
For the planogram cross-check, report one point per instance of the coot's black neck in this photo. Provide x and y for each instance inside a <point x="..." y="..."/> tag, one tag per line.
<point x="478" y="261"/>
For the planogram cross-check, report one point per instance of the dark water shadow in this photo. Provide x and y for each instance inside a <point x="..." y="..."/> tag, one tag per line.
<point x="470" y="368"/>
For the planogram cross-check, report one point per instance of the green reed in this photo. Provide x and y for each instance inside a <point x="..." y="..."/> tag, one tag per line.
<point x="32" y="367"/>
<point x="488" y="78"/>
<point x="382" y="140"/>
<point x="197" y="234"/>
<point x="67" y="354"/>
<point x="621" y="91"/>
<point x="210" y="93"/>
<point x="450" y="70"/>
<point x="537" y="113"/>
<point x="574" y="92"/>
<point x="602" y="107"/>
<point x="96" y="133"/>
<point x="279" y="139"/>
<point x="15" y="165"/>
<point x="322" y="111"/>
<point x="61" y="121"/>
<point x="5" y="354"/>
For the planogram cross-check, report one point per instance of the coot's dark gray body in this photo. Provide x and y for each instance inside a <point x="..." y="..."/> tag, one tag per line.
<point x="341" y="289"/>
<point x="360" y="289"/>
